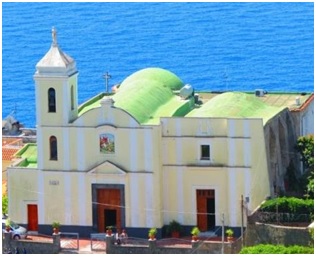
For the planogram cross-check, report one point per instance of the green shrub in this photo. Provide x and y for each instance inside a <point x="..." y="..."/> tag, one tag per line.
<point x="277" y="249"/>
<point x="4" y="204"/>
<point x="289" y="205"/>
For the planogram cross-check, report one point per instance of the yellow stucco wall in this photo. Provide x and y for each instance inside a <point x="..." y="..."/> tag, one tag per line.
<point x="159" y="166"/>
<point x="240" y="152"/>
<point x="62" y="86"/>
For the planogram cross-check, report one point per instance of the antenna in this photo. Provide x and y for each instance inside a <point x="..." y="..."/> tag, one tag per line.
<point x="106" y="76"/>
<point x="225" y="77"/>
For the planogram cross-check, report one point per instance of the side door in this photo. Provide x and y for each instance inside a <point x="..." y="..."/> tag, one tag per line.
<point x="32" y="217"/>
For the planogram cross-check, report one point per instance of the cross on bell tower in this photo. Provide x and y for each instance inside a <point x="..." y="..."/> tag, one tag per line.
<point x="54" y="36"/>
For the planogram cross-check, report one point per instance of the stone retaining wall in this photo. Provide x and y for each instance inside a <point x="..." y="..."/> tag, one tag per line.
<point x="199" y="247"/>
<point x="259" y="233"/>
<point x="29" y="246"/>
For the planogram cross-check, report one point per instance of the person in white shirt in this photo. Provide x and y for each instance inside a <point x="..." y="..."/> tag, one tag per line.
<point x="123" y="236"/>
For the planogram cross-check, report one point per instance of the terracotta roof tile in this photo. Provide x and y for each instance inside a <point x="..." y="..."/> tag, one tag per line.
<point x="7" y="153"/>
<point x="11" y="141"/>
<point x="305" y="104"/>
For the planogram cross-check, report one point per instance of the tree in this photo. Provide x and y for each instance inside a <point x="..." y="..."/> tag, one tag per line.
<point x="305" y="146"/>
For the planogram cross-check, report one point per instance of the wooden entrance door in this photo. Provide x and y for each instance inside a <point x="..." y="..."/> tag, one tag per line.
<point x="205" y="203"/>
<point x="109" y="210"/>
<point x="32" y="217"/>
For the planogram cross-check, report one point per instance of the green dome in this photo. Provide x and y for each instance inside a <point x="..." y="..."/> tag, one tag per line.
<point x="163" y="77"/>
<point x="236" y="105"/>
<point x="145" y="92"/>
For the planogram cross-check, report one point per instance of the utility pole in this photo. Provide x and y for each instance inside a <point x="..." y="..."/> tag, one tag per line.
<point x="277" y="190"/>
<point x="106" y="76"/>
<point x="242" y="220"/>
<point x="222" y="233"/>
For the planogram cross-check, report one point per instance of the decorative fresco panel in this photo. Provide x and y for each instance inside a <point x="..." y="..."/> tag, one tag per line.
<point x="107" y="145"/>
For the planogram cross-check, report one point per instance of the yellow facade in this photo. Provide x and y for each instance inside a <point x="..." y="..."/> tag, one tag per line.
<point x="156" y="173"/>
<point x="160" y="172"/>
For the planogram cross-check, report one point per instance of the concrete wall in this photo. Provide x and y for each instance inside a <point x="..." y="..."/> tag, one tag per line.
<point x="281" y="134"/>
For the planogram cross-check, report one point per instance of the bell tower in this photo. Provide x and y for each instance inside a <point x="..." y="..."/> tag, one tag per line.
<point x="56" y="90"/>
<point x="56" y="98"/>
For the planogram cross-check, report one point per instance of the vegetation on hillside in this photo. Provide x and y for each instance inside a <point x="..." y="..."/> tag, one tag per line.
<point x="4" y="204"/>
<point x="305" y="146"/>
<point x="277" y="249"/>
<point x="289" y="205"/>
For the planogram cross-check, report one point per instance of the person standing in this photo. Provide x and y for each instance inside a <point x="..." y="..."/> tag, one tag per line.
<point x="123" y="236"/>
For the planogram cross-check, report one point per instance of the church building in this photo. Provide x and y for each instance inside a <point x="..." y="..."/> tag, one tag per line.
<point x="152" y="152"/>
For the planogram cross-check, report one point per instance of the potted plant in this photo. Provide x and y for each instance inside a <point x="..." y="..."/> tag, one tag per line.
<point x="152" y="233"/>
<point x="195" y="232"/>
<point x="174" y="229"/>
<point x="7" y="225"/>
<point x="109" y="230"/>
<point x="56" y="226"/>
<point x="230" y="234"/>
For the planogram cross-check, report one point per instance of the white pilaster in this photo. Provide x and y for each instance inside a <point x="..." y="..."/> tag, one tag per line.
<point x="67" y="198"/>
<point x="247" y="188"/>
<point x="40" y="148"/>
<point x="135" y="204"/>
<point x="231" y="152"/>
<point x="232" y="198"/>
<point x="81" y="150"/>
<point x="82" y="199"/>
<point x="231" y="143"/>
<point x="246" y="128"/>
<point x="247" y="152"/>
<point x="180" y="193"/>
<point x="41" y="196"/>
<point x="179" y="147"/>
<point x="148" y="150"/>
<point x="66" y="149"/>
<point x="133" y="149"/>
<point x="231" y="127"/>
<point x="66" y="102"/>
<point x="151" y="213"/>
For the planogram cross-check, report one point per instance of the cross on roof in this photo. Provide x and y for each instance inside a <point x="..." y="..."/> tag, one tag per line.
<point x="54" y="36"/>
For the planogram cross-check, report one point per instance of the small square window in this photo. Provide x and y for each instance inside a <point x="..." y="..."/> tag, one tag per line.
<point x="205" y="152"/>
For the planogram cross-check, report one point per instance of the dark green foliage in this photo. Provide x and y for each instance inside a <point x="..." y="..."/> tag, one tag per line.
<point x="305" y="146"/>
<point x="295" y="183"/>
<point x="277" y="249"/>
<point x="173" y="226"/>
<point x="289" y="205"/>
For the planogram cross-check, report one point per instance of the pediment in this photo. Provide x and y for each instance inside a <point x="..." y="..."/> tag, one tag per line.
<point x="107" y="167"/>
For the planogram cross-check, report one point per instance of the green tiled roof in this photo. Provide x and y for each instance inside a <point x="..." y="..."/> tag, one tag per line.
<point x="90" y="104"/>
<point x="236" y="105"/>
<point x="149" y="94"/>
<point x="164" y="77"/>
<point x="29" y="153"/>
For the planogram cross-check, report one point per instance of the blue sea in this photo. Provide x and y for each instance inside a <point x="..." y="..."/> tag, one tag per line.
<point x="212" y="46"/>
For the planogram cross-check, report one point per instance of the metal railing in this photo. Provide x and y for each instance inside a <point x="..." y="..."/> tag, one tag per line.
<point x="97" y="241"/>
<point x="69" y="241"/>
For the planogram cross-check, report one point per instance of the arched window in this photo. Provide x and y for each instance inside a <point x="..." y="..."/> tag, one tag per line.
<point x="53" y="148"/>
<point x="51" y="100"/>
<point x="72" y="97"/>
